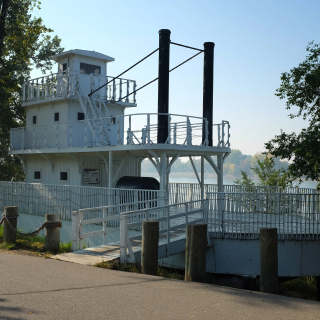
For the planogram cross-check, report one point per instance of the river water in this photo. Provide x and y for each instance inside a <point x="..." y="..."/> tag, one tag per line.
<point x="188" y="179"/>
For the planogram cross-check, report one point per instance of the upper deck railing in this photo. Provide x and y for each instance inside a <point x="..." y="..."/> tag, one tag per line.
<point x="63" y="84"/>
<point x="135" y="129"/>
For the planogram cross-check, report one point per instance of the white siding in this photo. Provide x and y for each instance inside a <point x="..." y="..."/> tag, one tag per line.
<point x="45" y="113"/>
<point x="60" y="163"/>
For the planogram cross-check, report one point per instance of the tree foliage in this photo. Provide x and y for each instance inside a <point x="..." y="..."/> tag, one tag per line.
<point x="267" y="174"/>
<point x="301" y="88"/>
<point x="25" y="44"/>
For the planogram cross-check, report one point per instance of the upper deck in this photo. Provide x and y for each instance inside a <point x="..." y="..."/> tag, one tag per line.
<point x="134" y="132"/>
<point x="63" y="84"/>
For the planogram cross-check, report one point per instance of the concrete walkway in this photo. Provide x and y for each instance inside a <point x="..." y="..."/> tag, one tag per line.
<point x="36" y="288"/>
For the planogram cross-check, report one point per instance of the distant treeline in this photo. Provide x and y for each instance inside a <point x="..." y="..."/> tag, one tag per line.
<point x="233" y="165"/>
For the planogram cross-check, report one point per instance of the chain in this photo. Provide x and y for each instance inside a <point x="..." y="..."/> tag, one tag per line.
<point x="46" y="224"/>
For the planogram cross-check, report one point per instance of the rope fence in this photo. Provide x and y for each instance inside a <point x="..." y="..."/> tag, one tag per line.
<point x="46" y="224"/>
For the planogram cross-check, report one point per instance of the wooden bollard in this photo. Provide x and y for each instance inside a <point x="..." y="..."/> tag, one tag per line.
<point x="150" y="242"/>
<point x="9" y="235"/>
<point x="268" y="260"/>
<point x="196" y="250"/>
<point x="52" y="234"/>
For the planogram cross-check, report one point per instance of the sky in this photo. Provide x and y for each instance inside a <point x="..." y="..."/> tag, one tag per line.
<point x="255" y="41"/>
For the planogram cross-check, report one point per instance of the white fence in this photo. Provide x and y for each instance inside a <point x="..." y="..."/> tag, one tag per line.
<point x="40" y="199"/>
<point x="181" y="192"/>
<point x="241" y="215"/>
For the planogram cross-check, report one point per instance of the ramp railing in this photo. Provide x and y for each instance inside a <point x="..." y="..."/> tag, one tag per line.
<point x="173" y="220"/>
<point x="91" y="222"/>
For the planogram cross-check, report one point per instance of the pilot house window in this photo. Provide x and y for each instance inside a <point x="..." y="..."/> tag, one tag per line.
<point x="89" y="68"/>
<point x="64" y="68"/>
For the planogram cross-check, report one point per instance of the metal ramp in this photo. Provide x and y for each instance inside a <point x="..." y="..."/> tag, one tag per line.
<point x="174" y="218"/>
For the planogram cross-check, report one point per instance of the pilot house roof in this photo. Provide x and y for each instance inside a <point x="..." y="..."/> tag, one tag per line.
<point x="87" y="53"/>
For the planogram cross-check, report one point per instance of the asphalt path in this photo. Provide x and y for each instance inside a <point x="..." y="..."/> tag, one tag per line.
<point x="37" y="288"/>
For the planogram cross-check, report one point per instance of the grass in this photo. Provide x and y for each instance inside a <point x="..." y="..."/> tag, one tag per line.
<point x="303" y="288"/>
<point x="136" y="268"/>
<point x="35" y="245"/>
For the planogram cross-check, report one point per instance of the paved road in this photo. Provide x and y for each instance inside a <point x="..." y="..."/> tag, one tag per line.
<point x="36" y="288"/>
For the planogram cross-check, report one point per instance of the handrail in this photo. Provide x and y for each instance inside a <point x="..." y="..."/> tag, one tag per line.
<point x="125" y="204"/>
<point x="162" y="207"/>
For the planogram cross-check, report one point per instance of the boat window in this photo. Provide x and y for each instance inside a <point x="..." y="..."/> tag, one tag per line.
<point x="63" y="175"/>
<point x="56" y="116"/>
<point x="37" y="175"/>
<point x="89" y="68"/>
<point x="34" y="120"/>
<point x="80" y="116"/>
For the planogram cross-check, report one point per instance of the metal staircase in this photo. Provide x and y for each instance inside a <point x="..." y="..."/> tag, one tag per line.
<point x="97" y="113"/>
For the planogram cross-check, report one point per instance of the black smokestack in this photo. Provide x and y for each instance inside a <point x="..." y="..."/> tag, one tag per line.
<point x="163" y="84"/>
<point x="208" y="90"/>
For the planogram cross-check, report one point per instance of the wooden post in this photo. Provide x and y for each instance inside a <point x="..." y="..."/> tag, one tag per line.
<point x="149" y="250"/>
<point x="196" y="247"/>
<point x="9" y="235"/>
<point x="52" y="235"/>
<point x="268" y="260"/>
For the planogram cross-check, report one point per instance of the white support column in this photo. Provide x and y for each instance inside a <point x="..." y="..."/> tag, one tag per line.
<point x="202" y="178"/>
<point x="168" y="175"/>
<point x="220" y="195"/>
<point x="220" y="173"/>
<point x="162" y="171"/>
<point x="110" y="170"/>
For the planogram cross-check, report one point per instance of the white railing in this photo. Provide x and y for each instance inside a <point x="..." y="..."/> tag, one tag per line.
<point x="116" y="91"/>
<point x="181" y="192"/>
<point x="241" y="215"/>
<point x="172" y="218"/>
<point x="136" y="129"/>
<point x="63" y="84"/>
<point x="96" y="221"/>
<point x="223" y="133"/>
<point x="40" y="199"/>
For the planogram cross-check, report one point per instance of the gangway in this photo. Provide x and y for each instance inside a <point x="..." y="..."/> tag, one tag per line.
<point x="125" y="221"/>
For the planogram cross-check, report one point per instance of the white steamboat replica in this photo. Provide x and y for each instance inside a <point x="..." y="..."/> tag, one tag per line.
<point x="78" y="133"/>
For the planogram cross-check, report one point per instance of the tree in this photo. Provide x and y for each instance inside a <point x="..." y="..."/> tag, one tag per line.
<point x="267" y="174"/>
<point x="301" y="88"/>
<point x="25" y="43"/>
